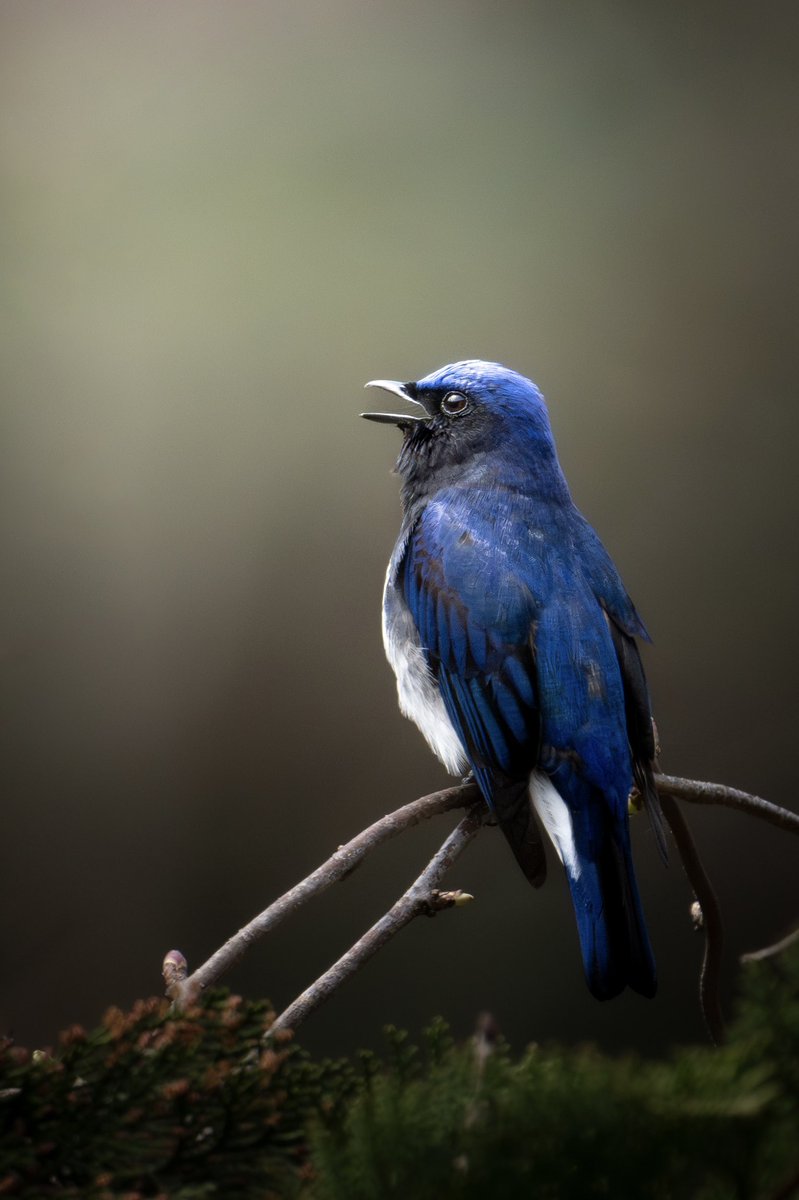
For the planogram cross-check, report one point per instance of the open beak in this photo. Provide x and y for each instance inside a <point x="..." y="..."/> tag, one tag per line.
<point x="405" y="392"/>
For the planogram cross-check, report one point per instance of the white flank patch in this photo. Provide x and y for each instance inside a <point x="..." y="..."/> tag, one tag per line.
<point x="556" y="819"/>
<point x="419" y="697"/>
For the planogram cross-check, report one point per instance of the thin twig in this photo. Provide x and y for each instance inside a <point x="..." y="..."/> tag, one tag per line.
<point x="718" y="793"/>
<point x="339" y="865"/>
<point x="709" y="977"/>
<point x="421" y="897"/>
<point x="771" y="951"/>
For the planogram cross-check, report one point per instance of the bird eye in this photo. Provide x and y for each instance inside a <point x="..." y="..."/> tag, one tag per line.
<point x="454" y="403"/>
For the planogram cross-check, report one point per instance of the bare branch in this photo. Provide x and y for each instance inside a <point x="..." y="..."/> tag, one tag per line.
<point x="338" y="866"/>
<point x="183" y="988"/>
<point x="710" y="974"/>
<point x="718" y="793"/>
<point x="420" y="898"/>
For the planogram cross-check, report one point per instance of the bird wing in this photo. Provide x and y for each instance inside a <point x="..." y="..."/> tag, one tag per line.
<point x="515" y="621"/>
<point x="625" y="626"/>
<point x="475" y="616"/>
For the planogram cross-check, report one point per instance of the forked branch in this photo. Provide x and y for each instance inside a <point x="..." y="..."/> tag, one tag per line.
<point x="423" y="895"/>
<point x="183" y="990"/>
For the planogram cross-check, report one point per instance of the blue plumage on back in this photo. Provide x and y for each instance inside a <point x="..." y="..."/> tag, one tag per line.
<point x="512" y="639"/>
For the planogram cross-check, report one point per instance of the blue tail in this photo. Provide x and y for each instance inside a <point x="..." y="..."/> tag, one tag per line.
<point x="610" y="920"/>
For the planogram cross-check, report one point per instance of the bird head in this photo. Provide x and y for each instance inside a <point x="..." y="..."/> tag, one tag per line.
<point x="479" y="421"/>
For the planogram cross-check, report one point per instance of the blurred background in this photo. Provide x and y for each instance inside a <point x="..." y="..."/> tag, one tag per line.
<point x="219" y="221"/>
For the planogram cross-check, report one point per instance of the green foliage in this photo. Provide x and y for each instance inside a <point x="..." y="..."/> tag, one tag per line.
<point x="151" y="1103"/>
<point x="198" y="1106"/>
<point x="710" y="1124"/>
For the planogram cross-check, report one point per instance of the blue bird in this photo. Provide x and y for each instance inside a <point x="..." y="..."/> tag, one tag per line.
<point x="513" y="642"/>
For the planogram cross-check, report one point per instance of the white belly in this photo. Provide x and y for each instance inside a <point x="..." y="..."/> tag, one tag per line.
<point x="419" y="697"/>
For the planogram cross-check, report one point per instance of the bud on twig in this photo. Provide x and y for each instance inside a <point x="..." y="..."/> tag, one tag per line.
<point x="174" y="970"/>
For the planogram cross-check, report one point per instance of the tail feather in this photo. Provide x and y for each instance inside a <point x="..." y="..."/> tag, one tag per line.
<point x="595" y="850"/>
<point x="610" y="921"/>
